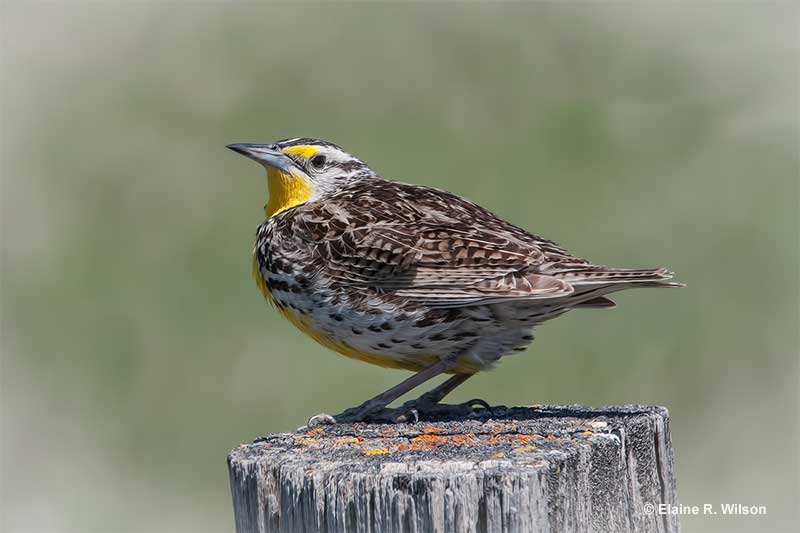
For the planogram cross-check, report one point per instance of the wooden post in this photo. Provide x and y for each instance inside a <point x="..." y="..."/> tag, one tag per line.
<point x="538" y="469"/>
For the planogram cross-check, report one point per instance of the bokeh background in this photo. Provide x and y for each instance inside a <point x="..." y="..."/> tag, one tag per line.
<point x="136" y="350"/>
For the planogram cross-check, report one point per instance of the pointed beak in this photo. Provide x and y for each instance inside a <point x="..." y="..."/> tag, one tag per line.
<point x="268" y="155"/>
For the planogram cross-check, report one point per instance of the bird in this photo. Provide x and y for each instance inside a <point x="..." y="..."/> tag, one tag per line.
<point x="409" y="276"/>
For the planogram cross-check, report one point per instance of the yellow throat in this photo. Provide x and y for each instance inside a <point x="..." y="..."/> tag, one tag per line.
<point x="285" y="190"/>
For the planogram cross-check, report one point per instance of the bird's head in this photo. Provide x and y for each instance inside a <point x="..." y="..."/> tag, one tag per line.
<point x="301" y="169"/>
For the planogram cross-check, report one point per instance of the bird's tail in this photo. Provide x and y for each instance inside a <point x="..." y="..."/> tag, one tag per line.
<point x="603" y="275"/>
<point x="592" y="282"/>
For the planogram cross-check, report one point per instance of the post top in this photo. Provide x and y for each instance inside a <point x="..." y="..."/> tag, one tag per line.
<point x="534" y="437"/>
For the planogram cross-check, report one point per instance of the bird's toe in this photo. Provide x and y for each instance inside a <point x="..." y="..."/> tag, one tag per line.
<point x="322" y="419"/>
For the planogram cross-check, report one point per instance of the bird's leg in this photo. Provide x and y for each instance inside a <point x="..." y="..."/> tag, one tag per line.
<point x="428" y="403"/>
<point x="437" y="395"/>
<point x="379" y="402"/>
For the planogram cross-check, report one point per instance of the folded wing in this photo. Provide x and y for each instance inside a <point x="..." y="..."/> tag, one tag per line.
<point x="428" y="246"/>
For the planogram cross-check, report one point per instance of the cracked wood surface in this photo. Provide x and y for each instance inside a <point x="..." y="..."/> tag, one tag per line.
<point x="526" y="469"/>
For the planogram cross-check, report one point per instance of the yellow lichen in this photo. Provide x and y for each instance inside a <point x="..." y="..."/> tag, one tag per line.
<point x="377" y="451"/>
<point x="525" y="449"/>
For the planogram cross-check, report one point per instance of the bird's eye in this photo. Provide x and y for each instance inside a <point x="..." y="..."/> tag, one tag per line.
<point x="318" y="161"/>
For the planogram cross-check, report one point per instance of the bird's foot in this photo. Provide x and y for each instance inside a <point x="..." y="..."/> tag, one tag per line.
<point x="365" y="412"/>
<point x="322" y="419"/>
<point x="421" y="409"/>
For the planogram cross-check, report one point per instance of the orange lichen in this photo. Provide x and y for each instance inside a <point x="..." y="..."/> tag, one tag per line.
<point x="305" y="442"/>
<point x="468" y="439"/>
<point x="432" y="438"/>
<point x="427" y="441"/>
<point x="435" y="440"/>
<point x="587" y="433"/>
<point x="314" y="432"/>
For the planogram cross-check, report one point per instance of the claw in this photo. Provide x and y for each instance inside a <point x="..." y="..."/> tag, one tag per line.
<point x="409" y="417"/>
<point x="320" y="420"/>
<point x="477" y="401"/>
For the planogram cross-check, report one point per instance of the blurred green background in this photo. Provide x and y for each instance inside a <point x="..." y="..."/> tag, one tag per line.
<point x="137" y="350"/>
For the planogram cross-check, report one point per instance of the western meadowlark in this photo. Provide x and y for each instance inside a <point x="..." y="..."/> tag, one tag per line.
<point x="407" y="276"/>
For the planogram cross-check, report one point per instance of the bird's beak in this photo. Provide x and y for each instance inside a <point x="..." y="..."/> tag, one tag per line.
<point x="268" y="155"/>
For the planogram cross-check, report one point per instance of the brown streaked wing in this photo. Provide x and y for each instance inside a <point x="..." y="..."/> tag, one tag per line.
<point x="424" y="245"/>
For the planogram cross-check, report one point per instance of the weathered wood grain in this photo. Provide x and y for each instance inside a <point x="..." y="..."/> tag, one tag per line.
<point x="539" y="469"/>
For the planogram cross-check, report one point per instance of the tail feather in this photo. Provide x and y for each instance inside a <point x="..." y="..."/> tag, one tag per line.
<point x="601" y="275"/>
<point x="593" y="287"/>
